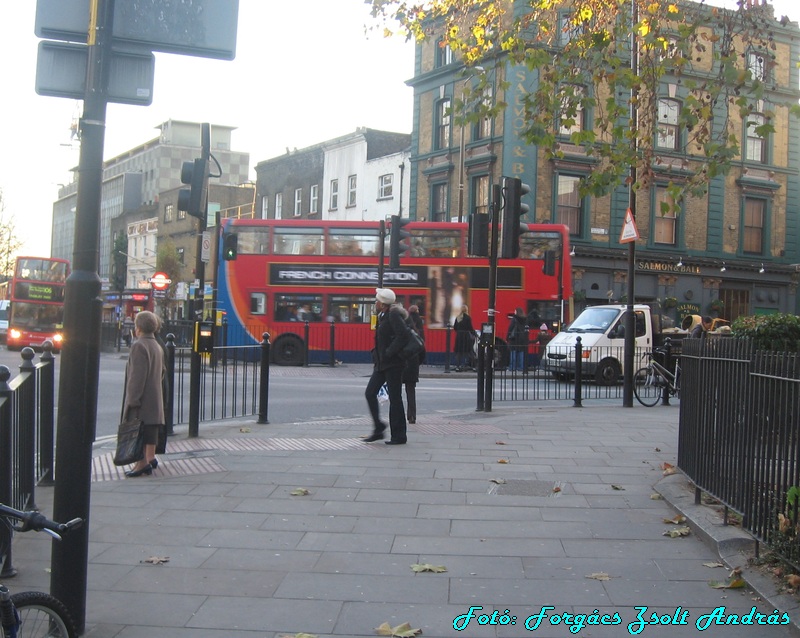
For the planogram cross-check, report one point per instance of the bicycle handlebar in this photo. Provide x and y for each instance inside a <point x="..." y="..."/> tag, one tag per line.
<point x="38" y="522"/>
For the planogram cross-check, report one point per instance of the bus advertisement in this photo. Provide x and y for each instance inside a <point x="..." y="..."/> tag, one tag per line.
<point x="293" y="279"/>
<point x="37" y="302"/>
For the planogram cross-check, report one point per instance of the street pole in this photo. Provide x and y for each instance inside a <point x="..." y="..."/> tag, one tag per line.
<point x="80" y="358"/>
<point x="630" y="318"/>
<point x="495" y="221"/>
<point x="196" y="361"/>
<point x="461" y="177"/>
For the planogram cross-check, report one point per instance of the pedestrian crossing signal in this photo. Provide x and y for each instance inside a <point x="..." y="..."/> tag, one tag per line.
<point x="230" y="247"/>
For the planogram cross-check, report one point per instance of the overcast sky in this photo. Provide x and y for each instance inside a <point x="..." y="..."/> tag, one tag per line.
<point x="304" y="72"/>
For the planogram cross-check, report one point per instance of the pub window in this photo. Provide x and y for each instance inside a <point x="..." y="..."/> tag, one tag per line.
<point x="444" y="54"/>
<point x="755" y="211"/>
<point x="439" y="202"/>
<point x="442" y="125"/>
<point x="571" y="114"/>
<point x="569" y="205"/>
<point x="757" y="65"/>
<point x="755" y="146"/>
<point x="665" y="218"/>
<point x="667" y="134"/>
<point x="480" y="194"/>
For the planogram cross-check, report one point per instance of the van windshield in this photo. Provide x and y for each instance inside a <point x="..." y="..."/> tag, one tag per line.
<point x="594" y="320"/>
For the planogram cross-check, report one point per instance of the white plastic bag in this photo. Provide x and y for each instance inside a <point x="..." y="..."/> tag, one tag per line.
<point x="383" y="394"/>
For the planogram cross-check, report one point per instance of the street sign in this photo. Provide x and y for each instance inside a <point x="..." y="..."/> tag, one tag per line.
<point x="61" y="72"/>
<point x="205" y="247"/>
<point x="160" y="281"/>
<point x="202" y="28"/>
<point x="629" y="231"/>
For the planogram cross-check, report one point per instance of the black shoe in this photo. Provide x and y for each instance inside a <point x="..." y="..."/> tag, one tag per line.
<point x="154" y="463"/>
<point x="147" y="470"/>
<point x="395" y="442"/>
<point x="412" y="420"/>
<point x="376" y="436"/>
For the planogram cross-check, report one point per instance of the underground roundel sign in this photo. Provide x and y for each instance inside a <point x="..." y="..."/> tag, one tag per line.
<point x="160" y="281"/>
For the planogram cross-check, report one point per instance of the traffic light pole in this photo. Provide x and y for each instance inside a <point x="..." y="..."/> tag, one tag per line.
<point x="489" y="367"/>
<point x="80" y="358"/>
<point x="196" y="361"/>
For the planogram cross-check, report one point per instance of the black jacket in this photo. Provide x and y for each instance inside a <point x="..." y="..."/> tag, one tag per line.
<point x="391" y="335"/>
<point x="517" y="331"/>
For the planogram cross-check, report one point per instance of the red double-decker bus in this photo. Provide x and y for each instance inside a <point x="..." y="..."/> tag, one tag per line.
<point x="287" y="273"/>
<point x="37" y="302"/>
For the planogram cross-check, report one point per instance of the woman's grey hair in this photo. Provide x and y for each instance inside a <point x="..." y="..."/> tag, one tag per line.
<point x="146" y="322"/>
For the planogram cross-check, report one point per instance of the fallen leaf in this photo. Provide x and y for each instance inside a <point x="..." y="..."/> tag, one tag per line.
<point x="598" y="576"/>
<point x="245" y="430"/>
<point x="668" y="468"/>
<point x="499" y="481"/>
<point x="676" y="520"/>
<point x="716" y="564"/>
<point x="793" y="580"/>
<point x="300" y="491"/>
<point x="656" y="497"/>
<point x="677" y="532"/>
<point x="556" y="489"/>
<point x="401" y="631"/>
<point x="658" y="449"/>
<point x="784" y="524"/>
<point x="427" y="567"/>
<point x="500" y="443"/>
<point x="778" y="572"/>
<point x="156" y="560"/>
<point x="618" y="487"/>
<point x="732" y="583"/>
<point x="503" y="461"/>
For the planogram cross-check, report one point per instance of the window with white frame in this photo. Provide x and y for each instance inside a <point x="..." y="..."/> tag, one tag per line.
<point x="757" y="65"/>
<point x="439" y="202"/>
<point x="298" y="202"/>
<point x="483" y="127"/>
<point x="568" y="29"/>
<point x="571" y="115"/>
<point x="352" y="184"/>
<point x="313" y="208"/>
<point x="442" y="125"/>
<point x="169" y="212"/>
<point x="334" y="194"/>
<point x="755" y="146"/>
<point x="665" y="218"/>
<point x="264" y="206"/>
<point x="385" y="183"/>
<point x="480" y="194"/>
<point x="667" y="132"/>
<point x="181" y="255"/>
<point x="278" y="205"/>
<point x="444" y="54"/>
<point x="569" y="205"/>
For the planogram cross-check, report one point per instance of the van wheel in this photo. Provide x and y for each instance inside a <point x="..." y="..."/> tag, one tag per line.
<point x="608" y="372"/>
<point x="288" y="350"/>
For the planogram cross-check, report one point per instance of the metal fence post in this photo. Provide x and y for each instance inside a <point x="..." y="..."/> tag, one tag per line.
<point x="169" y="411"/>
<point x="26" y="431"/>
<point x="6" y="456"/>
<point x="578" y="373"/>
<point x="667" y="357"/>
<point x="47" y="394"/>
<point x="305" y="340"/>
<point x="263" y="389"/>
<point x="481" y="376"/>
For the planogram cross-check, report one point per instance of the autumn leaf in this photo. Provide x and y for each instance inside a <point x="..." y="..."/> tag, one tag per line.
<point x="668" y="468"/>
<point x="793" y="580"/>
<point x="677" y="532"/>
<point x="714" y="564"/>
<point x="427" y="567"/>
<point x="245" y="430"/>
<point x="675" y="520"/>
<point x="503" y="461"/>
<point x="401" y="631"/>
<point x="499" y="481"/>
<point x="656" y="497"/>
<point x="784" y="524"/>
<point x="556" y="489"/>
<point x="300" y="491"/>
<point x="735" y="582"/>
<point x="598" y="576"/>
<point x="618" y="487"/>
<point x="500" y="443"/>
<point x="156" y="560"/>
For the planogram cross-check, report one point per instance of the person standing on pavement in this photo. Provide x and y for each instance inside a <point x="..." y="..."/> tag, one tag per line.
<point x="517" y="339"/>
<point x="391" y="335"/>
<point x="143" y="389"/>
<point x="465" y="338"/>
<point x="411" y="371"/>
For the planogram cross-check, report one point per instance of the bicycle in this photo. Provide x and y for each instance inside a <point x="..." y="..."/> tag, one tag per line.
<point x="651" y="381"/>
<point x="32" y="614"/>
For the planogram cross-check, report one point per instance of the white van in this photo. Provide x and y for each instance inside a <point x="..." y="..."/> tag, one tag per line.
<point x="4" y="308"/>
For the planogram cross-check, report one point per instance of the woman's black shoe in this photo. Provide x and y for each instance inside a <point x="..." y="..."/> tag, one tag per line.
<point x="376" y="436"/>
<point x="154" y="463"/>
<point x="395" y="442"/>
<point x="147" y="470"/>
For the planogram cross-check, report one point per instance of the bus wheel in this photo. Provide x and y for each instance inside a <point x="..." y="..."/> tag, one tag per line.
<point x="288" y="350"/>
<point x="608" y="372"/>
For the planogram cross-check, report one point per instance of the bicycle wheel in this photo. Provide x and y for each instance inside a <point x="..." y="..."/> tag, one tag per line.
<point x="42" y="616"/>
<point x="647" y="386"/>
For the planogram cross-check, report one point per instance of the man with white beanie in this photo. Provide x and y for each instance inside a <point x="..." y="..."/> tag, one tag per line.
<point x="391" y="335"/>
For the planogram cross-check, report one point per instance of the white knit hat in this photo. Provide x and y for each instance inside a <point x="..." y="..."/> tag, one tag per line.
<point x="385" y="295"/>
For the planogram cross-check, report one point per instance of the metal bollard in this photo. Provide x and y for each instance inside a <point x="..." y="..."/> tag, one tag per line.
<point x="47" y="430"/>
<point x="169" y="405"/>
<point x="447" y="348"/>
<point x="305" y="340"/>
<point x="667" y="357"/>
<point x="481" y="376"/>
<point x="578" y="373"/>
<point x="263" y="387"/>
<point x="333" y="344"/>
<point x="26" y="444"/>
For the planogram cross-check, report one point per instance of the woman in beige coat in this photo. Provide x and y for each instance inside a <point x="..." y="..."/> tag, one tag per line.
<point x="143" y="388"/>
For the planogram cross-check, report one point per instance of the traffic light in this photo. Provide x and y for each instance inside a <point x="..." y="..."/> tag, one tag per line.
<point x="513" y="210"/>
<point x="396" y="237"/>
<point x="194" y="200"/>
<point x="230" y="246"/>
<point x="478" y="238"/>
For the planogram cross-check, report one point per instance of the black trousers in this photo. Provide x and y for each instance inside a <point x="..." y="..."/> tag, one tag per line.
<point x="411" y="400"/>
<point x="393" y="378"/>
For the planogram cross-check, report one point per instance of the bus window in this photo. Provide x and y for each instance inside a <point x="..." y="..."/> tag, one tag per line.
<point x="351" y="308"/>
<point x="350" y="243"/>
<point x="252" y="241"/>
<point x="258" y="303"/>
<point x="534" y="246"/>
<point x="298" y="308"/>
<point x="290" y="241"/>
<point x="435" y="243"/>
